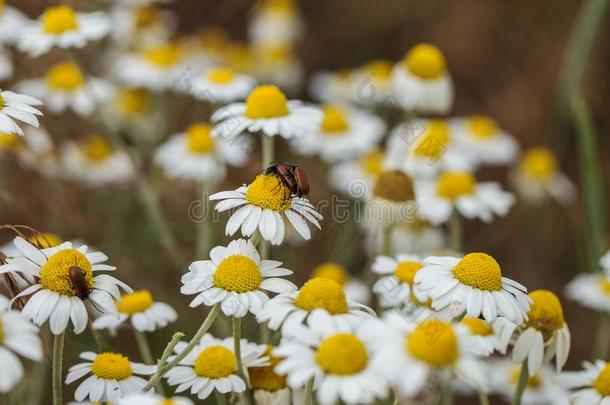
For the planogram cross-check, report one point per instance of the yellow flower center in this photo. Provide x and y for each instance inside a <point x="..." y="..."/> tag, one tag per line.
<point x="433" y="342"/>
<point x="55" y="274"/>
<point x="146" y="16"/>
<point x="405" y="271"/>
<point x="65" y="76"/>
<point x="540" y="163"/>
<point x="97" y="148"/>
<point x="134" y="101"/>
<point x="111" y="366"/>
<point x="482" y="127"/>
<point x="1" y="330"/>
<point x="60" y="19"/>
<point x="334" y="121"/>
<point x="604" y="284"/>
<point x="165" y="55"/>
<point x="44" y="240"/>
<point x="452" y="185"/>
<point x="546" y="313"/>
<point x="199" y="138"/>
<point x="532" y="382"/>
<point x="269" y="192"/>
<point x="320" y="292"/>
<point x="602" y="382"/>
<point x="342" y="354"/>
<point x="238" y="273"/>
<point x="168" y="401"/>
<point x="266" y="102"/>
<point x="394" y="185"/>
<point x="372" y="163"/>
<point x="280" y="6"/>
<point x="478" y="326"/>
<point x="333" y="271"/>
<point x="215" y="362"/>
<point x="138" y="301"/>
<point x="1" y="102"/>
<point x="265" y="378"/>
<point x="379" y="69"/>
<point x="221" y="76"/>
<point x="8" y="141"/>
<point x="479" y="270"/>
<point x="433" y="142"/>
<point x="425" y="61"/>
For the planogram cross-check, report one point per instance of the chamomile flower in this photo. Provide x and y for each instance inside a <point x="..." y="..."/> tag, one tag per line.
<point x="459" y="191"/>
<point x="267" y="385"/>
<point x="355" y="290"/>
<point x="17" y="336"/>
<point x="355" y="178"/>
<point x="11" y="21"/>
<point x="333" y="87"/>
<point x="63" y="27"/>
<point x="481" y="136"/>
<point x="392" y="199"/>
<point x="153" y="399"/>
<point x="17" y="107"/>
<point x="317" y="293"/>
<point x="395" y="286"/>
<point x="482" y="334"/>
<point x="212" y="365"/>
<point x="6" y="64"/>
<point x="39" y="153"/>
<point x="372" y="84"/>
<point x="141" y="25"/>
<point x="279" y="65"/>
<point x="262" y="205"/>
<point x="337" y="354"/>
<point x="591" y="290"/>
<point x="111" y="376"/>
<point x="196" y="155"/>
<point x="235" y="278"/>
<point x="220" y="85"/>
<point x="422" y="82"/>
<point x="147" y="315"/>
<point x="592" y="384"/>
<point x="473" y="285"/>
<point x="53" y="297"/>
<point x="65" y="88"/>
<point x="275" y="22"/>
<point x="344" y="133"/>
<point x="419" y="238"/>
<point x="266" y="109"/>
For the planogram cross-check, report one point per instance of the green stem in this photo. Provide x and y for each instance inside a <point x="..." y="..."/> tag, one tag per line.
<point x="523" y="376"/>
<point x="602" y="336"/>
<point x="268" y="151"/>
<point x="204" y="228"/>
<point x="483" y="398"/>
<point x="147" y="355"/>
<point x="455" y="231"/>
<point x="58" y="355"/>
<point x="447" y="394"/>
<point x="308" y="393"/>
<point x="221" y="399"/>
<point x="386" y="243"/>
<point x="237" y="350"/>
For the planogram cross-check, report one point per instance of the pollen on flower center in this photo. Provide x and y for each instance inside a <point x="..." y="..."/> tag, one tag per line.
<point x="8" y="141"/>
<point x="266" y="102"/>
<point x="111" y="366"/>
<point x="477" y="326"/>
<point x="532" y="382"/>
<point x="97" y="148"/>
<point x="65" y="76"/>
<point x="425" y="61"/>
<point x="238" y="273"/>
<point x="604" y="284"/>
<point x="482" y="127"/>
<point x="269" y="192"/>
<point x="165" y="55"/>
<point x="539" y="163"/>
<point x="379" y="69"/>
<point x="55" y="274"/>
<point x="138" y="301"/>
<point x="342" y="354"/>
<point x="199" y="138"/>
<point x="602" y="382"/>
<point x="452" y="185"/>
<point x="433" y="341"/>
<point x="372" y="163"/>
<point x="433" y="142"/>
<point x="405" y="271"/>
<point x="134" y="101"/>
<point x="546" y="313"/>
<point x="333" y="271"/>
<point x="221" y="76"/>
<point x="320" y="292"/>
<point x="479" y="270"/>
<point x="44" y="240"/>
<point x="265" y="378"/>
<point x="215" y="362"/>
<point x="394" y="185"/>
<point x="60" y="19"/>
<point x="334" y="121"/>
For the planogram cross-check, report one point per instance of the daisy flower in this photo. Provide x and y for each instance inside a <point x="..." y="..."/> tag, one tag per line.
<point x="395" y="286"/>
<point x="140" y="26"/>
<point x="196" y="155"/>
<point x="147" y="315"/>
<point x="317" y="293"/>
<point x="418" y="237"/>
<point x="355" y="290"/>
<point x="372" y="84"/>
<point x="65" y="87"/>
<point x="473" y="285"/>
<point x="333" y="87"/>
<point x="63" y="27"/>
<point x="335" y="353"/>
<point x="537" y="176"/>
<point x="220" y="85"/>
<point x="262" y="205"/>
<point x="6" y="64"/>
<point x="459" y="191"/>
<point x="235" y="278"/>
<point x="344" y="133"/>
<point x="38" y="152"/>
<point x="592" y="383"/>
<point x="153" y="399"/>
<point x="481" y="136"/>
<point x="591" y="290"/>
<point x="11" y="22"/>
<point x="267" y="385"/>
<point x="275" y="22"/>
<point x="17" y="336"/>
<point x="111" y="376"/>
<point x="392" y="200"/>
<point x="212" y="365"/>
<point x="17" y="107"/>
<point x="53" y="297"/>
<point x="482" y="334"/>
<point x="422" y="82"/>
<point x="279" y="65"/>
<point x="356" y="178"/>
<point x="266" y="109"/>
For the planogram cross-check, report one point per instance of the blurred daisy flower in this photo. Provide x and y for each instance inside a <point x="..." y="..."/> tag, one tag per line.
<point x="37" y="152"/>
<point x="11" y="22"/>
<point x="196" y="155"/>
<point x="392" y="200"/>
<point x="460" y="192"/>
<point x="395" y="287"/>
<point x="53" y="296"/>
<point x="63" y="27"/>
<point x="334" y="352"/>
<point x="112" y="376"/>
<point x="17" y="107"/>
<point x="267" y="385"/>
<point x="275" y="22"/>
<point x="592" y="289"/>
<point x="372" y="84"/>
<point x="153" y="399"/>
<point x="482" y="335"/>
<point x="592" y="384"/>
<point x="220" y="85"/>
<point x="355" y="290"/>
<point x="17" y="336"/>
<point x="422" y="82"/>
<point x="141" y="25"/>
<point x="333" y="87"/>
<point x="418" y="237"/>
<point x="212" y="365"/>
<point x="130" y="110"/>
<point x="262" y="205"/>
<point x="147" y="315"/>
<point x="344" y="133"/>
<point x="279" y="65"/>
<point x="317" y="293"/>
<point x="355" y="178"/>
<point x="473" y="285"/>
<point x="266" y="109"/>
<point x="235" y="278"/>
<point x="6" y="64"/>
<point x="65" y="87"/>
